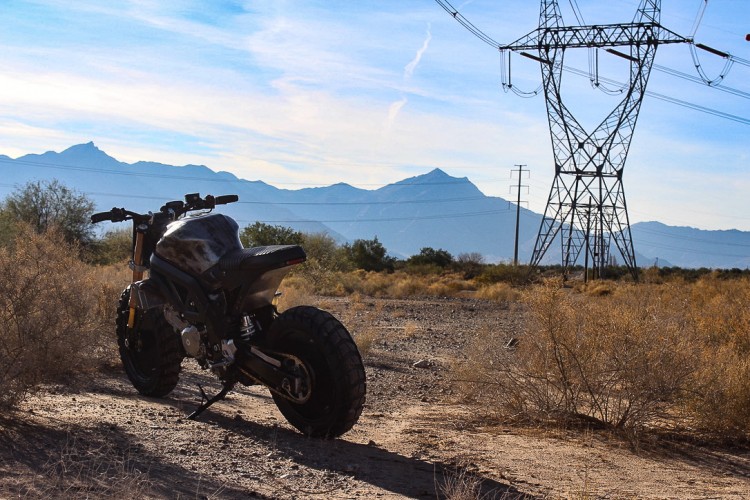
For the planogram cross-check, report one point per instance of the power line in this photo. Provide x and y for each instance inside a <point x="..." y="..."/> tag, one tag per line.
<point x="730" y="59"/>
<point x="302" y="203"/>
<point x="393" y="219"/>
<point x="59" y="166"/>
<point x="381" y="219"/>
<point x="689" y="250"/>
<point x="467" y="24"/>
<point x="695" y="79"/>
<point x="673" y="100"/>
<point x="692" y="238"/>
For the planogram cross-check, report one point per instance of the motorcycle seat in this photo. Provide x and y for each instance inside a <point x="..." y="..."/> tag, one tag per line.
<point x="260" y="258"/>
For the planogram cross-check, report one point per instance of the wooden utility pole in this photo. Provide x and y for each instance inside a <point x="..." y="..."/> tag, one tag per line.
<point x="520" y="171"/>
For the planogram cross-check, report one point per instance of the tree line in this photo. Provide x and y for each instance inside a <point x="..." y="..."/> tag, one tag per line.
<point x="44" y="204"/>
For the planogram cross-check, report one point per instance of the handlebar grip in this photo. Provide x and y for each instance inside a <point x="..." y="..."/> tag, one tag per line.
<point x="101" y="216"/>
<point x="227" y="198"/>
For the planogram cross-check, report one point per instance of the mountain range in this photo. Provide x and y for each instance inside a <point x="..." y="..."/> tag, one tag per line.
<point x="430" y="210"/>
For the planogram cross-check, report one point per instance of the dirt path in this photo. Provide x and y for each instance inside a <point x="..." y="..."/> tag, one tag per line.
<point x="412" y="440"/>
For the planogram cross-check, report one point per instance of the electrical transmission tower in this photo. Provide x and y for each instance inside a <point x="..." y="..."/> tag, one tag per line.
<point x="586" y="205"/>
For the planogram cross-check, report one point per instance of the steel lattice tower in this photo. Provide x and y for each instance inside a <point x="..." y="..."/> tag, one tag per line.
<point x="586" y="204"/>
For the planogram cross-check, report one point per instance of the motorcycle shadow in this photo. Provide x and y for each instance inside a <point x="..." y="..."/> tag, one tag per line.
<point x="387" y="470"/>
<point x="250" y="425"/>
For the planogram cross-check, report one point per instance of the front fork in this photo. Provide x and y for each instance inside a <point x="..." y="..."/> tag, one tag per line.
<point x="137" y="266"/>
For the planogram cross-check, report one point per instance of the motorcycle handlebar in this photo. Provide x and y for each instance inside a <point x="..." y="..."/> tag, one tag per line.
<point x="101" y="217"/>
<point x="178" y="208"/>
<point x="227" y="198"/>
<point x="114" y="215"/>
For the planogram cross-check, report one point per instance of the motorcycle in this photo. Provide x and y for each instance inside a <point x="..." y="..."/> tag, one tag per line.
<point x="208" y="298"/>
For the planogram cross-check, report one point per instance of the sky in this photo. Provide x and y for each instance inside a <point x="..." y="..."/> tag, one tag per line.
<point x="311" y="93"/>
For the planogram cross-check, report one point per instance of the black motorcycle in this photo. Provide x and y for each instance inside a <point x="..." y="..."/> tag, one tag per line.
<point x="208" y="298"/>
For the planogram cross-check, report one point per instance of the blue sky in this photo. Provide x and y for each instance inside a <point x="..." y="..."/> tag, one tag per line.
<point x="310" y="93"/>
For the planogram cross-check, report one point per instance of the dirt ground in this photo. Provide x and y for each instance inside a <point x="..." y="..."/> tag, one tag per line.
<point x="98" y="438"/>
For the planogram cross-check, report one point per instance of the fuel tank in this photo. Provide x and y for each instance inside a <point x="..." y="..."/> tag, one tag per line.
<point x="195" y="244"/>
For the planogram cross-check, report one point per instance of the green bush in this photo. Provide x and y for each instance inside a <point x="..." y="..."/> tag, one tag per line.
<point x="46" y="204"/>
<point x="369" y="255"/>
<point x="115" y="246"/>
<point x="262" y="234"/>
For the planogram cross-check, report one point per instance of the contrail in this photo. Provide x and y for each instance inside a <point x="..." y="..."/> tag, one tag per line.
<point x="409" y="69"/>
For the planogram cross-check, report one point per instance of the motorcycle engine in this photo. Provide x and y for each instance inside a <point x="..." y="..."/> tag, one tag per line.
<point x="191" y="341"/>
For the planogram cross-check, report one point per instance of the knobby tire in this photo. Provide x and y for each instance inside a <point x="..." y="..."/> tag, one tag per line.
<point x="337" y="372"/>
<point x="153" y="368"/>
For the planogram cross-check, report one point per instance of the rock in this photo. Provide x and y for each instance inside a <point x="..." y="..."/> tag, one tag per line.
<point x="422" y="363"/>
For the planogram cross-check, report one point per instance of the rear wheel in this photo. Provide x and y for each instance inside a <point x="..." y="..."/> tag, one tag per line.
<point x="331" y="358"/>
<point x="150" y="351"/>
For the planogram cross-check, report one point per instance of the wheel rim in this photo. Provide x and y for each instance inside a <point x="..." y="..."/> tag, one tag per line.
<point x="323" y="396"/>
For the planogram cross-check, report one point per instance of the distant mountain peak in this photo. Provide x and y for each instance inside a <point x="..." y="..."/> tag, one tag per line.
<point x="438" y="174"/>
<point x="86" y="154"/>
<point x="434" y="176"/>
<point x="87" y="147"/>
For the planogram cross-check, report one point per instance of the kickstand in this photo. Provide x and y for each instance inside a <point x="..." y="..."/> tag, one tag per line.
<point x="221" y="395"/>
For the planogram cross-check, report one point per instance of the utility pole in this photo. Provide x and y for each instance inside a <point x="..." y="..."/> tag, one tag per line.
<point x="520" y="171"/>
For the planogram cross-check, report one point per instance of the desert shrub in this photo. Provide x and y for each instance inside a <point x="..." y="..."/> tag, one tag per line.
<point x="423" y="269"/>
<point x="612" y="359"/>
<point x="470" y="264"/>
<point x="460" y="485"/>
<point x="719" y="401"/>
<point x="496" y="273"/>
<point x="405" y="285"/>
<point x="498" y="292"/>
<point x="373" y="284"/>
<point x="446" y="287"/>
<point x="398" y="284"/>
<point x="625" y="356"/>
<point x="53" y="310"/>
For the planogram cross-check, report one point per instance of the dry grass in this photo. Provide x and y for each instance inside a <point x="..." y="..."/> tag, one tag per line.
<point x="459" y="485"/>
<point x="295" y="291"/>
<point x="365" y="340"/>
<point x="623" y="356"/>
<point x="78" y="472"/>
<point x="498" y="292"/>
<point x="397" y="285"/>
<point x="53" y="310"/>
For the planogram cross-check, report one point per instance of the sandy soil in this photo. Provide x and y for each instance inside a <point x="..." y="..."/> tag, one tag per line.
<point x="99" y="438"/>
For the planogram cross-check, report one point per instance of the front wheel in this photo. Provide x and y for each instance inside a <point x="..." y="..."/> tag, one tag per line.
<point x="331" y="358"/>
<point x="150" y="351"/>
